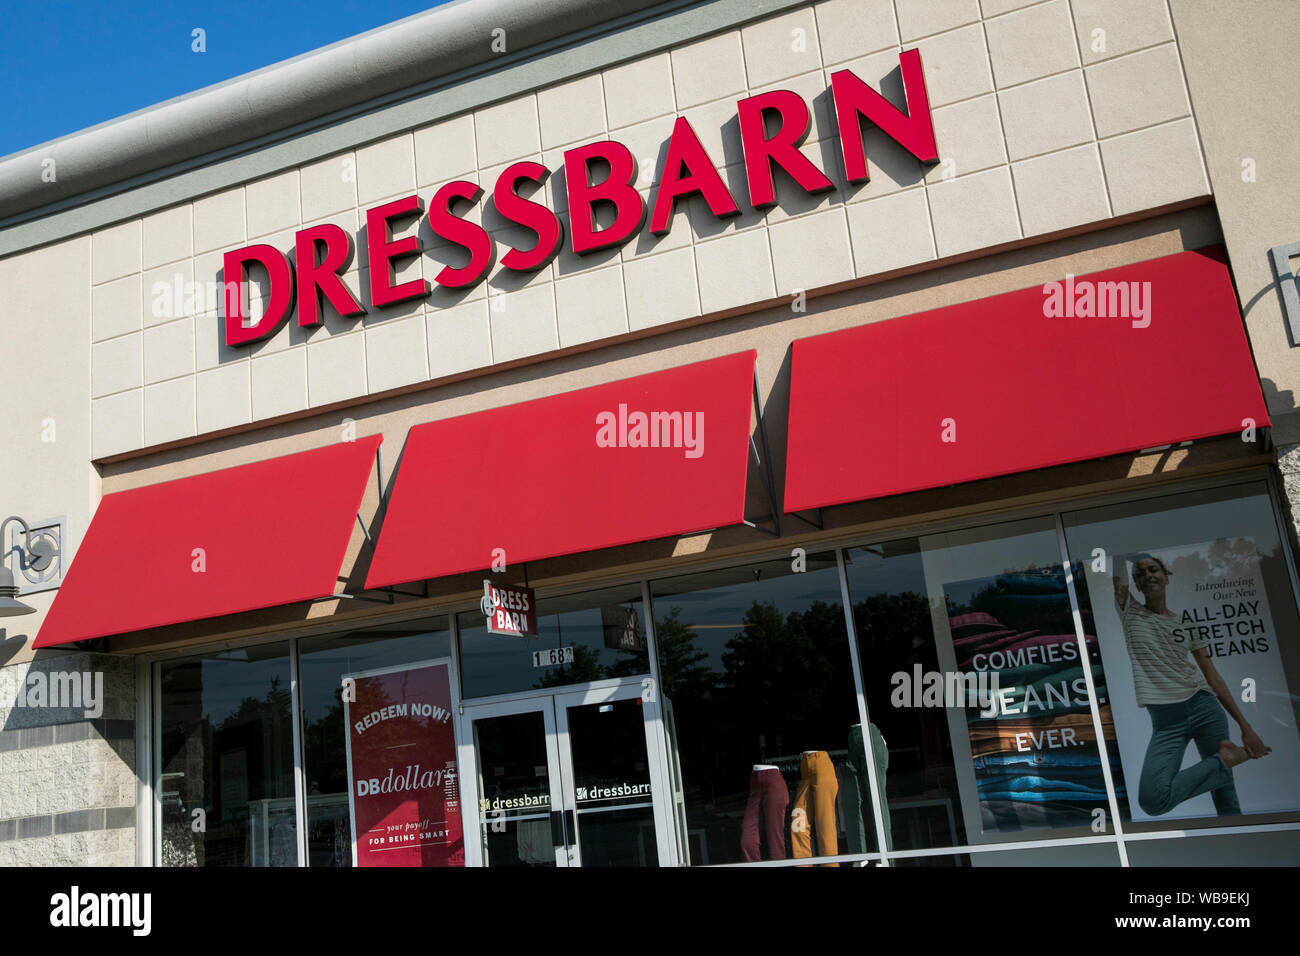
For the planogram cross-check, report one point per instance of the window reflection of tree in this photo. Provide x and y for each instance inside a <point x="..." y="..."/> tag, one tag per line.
<point x="260" y="725"/>
<point x="894" y="634"/>
<point x="589" y="661"/>
<point x="779" y="684"/>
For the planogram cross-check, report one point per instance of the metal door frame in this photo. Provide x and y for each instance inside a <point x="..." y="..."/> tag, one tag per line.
<point x="468" y="757"/>
<point x="553" y="705"/>
<point x="660" y="792"/>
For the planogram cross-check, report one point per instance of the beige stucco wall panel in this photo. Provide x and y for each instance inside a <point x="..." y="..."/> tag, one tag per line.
<point x="45" y="344"/>
<point x="1156" y="165"/>
<point x="1241" y="75"/>
<point x="223" y="397"/>
<point x="167" y="236"/>
<point x="849" y="28"/>
<point x="1032" y="43"/>
<point x="169" y="412"/>
<point x="385" y="169"/>
<point x="271" y="204"/>
<point x="1138" y="90"/>
<point x="329" y="186"/>
<point x="712" y="68"/>
<point x="923" y="18"/>
<point x="636" y="91"/>
<point x="905" y="217"/>
<point x="1060" y="190"/>
<point x="1109" y="28"/>
<point x="218" y="221"/>
<point x="969" y="136"/>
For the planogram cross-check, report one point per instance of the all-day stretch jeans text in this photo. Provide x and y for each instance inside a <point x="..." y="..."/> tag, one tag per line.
<point x="1200" y="718"/>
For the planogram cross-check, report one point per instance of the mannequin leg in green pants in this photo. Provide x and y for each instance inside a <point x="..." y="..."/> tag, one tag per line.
<point x="857" y="789"/>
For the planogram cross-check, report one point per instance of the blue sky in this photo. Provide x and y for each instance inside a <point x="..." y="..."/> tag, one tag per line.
<point x="65" y="66"/>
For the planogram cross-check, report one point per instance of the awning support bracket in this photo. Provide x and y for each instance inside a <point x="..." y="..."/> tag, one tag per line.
<point x="389" y="589"/>
<point x="358" y="597"/>
<point x="774" y="514"/>
<point x="818" y="524"/>
<point x="383" y="499"/>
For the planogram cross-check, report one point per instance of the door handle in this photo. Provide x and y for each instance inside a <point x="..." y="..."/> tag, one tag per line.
<point x="563" y="832"/>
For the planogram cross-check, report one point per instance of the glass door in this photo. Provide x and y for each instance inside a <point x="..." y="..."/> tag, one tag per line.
<point x="570" y="779"/>
<point x="620" y="813"/>
<point x="520" y="820"/>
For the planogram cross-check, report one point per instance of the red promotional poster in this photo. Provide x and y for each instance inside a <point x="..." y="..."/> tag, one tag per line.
<point x="404" y="789"/>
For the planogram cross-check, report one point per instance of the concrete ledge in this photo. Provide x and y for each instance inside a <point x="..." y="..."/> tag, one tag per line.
<point x="75" y="821"/>
<point x="66" y="731"/>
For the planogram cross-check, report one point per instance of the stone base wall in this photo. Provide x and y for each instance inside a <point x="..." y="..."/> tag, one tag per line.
<point x="1288" y="462"/>
<point x="68" y="774"/>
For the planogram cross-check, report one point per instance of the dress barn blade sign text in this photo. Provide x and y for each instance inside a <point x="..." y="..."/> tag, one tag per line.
<point x="323" y="252"/>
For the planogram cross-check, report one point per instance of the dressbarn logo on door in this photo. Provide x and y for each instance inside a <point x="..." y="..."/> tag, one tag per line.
<point x="598" y="175"/>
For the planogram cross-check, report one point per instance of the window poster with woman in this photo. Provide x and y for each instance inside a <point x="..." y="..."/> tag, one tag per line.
<point x="1203" y="713"/>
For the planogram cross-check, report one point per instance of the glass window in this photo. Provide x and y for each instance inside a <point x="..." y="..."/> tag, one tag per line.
<point x="324" y="662"/>
<point x="226" y="771"/>
<point x="1278" y="848"/>
<point x="1084" y="854"/>
<point x="757" y="673"/>
<point x="972" y="673"/>
<point x="614" y="812"/>
<point x="514" y="818"/>
<point x="603" y="632"/>
<point x="1197" y="624"/>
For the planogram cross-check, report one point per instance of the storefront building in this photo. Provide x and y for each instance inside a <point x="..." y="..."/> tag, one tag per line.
<point x="881" y="414"/>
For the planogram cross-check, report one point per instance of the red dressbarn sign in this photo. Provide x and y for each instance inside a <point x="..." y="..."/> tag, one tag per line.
<point x="596" y="174"/>
<point x="509" y="610"/>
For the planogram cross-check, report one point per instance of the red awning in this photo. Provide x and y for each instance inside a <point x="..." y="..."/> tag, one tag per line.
<point x="1018" y="384"/>
<point x="270" y="533"/>
<point x="569" y="473"/>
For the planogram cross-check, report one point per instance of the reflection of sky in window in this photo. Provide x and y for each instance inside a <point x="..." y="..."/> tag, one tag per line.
<point x="716" y="615"/>
<point x="962" y="591"/>
<point x="501" y="664"/>
<point x="230" y="677"/>
<point x="871" y="574"/>
<point x="1154" y="526"/>
<point x="224" y="685"/>
<point x="322" y="670"/>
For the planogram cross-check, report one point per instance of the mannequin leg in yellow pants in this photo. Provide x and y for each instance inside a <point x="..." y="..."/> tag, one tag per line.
<point x="818" y="787"/>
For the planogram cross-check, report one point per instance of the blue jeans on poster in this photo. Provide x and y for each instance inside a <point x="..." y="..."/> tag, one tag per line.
<point x="1199" y="719"/>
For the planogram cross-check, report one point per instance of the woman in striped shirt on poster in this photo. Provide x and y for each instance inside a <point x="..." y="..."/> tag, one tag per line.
<point x="1185" y="696"/>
